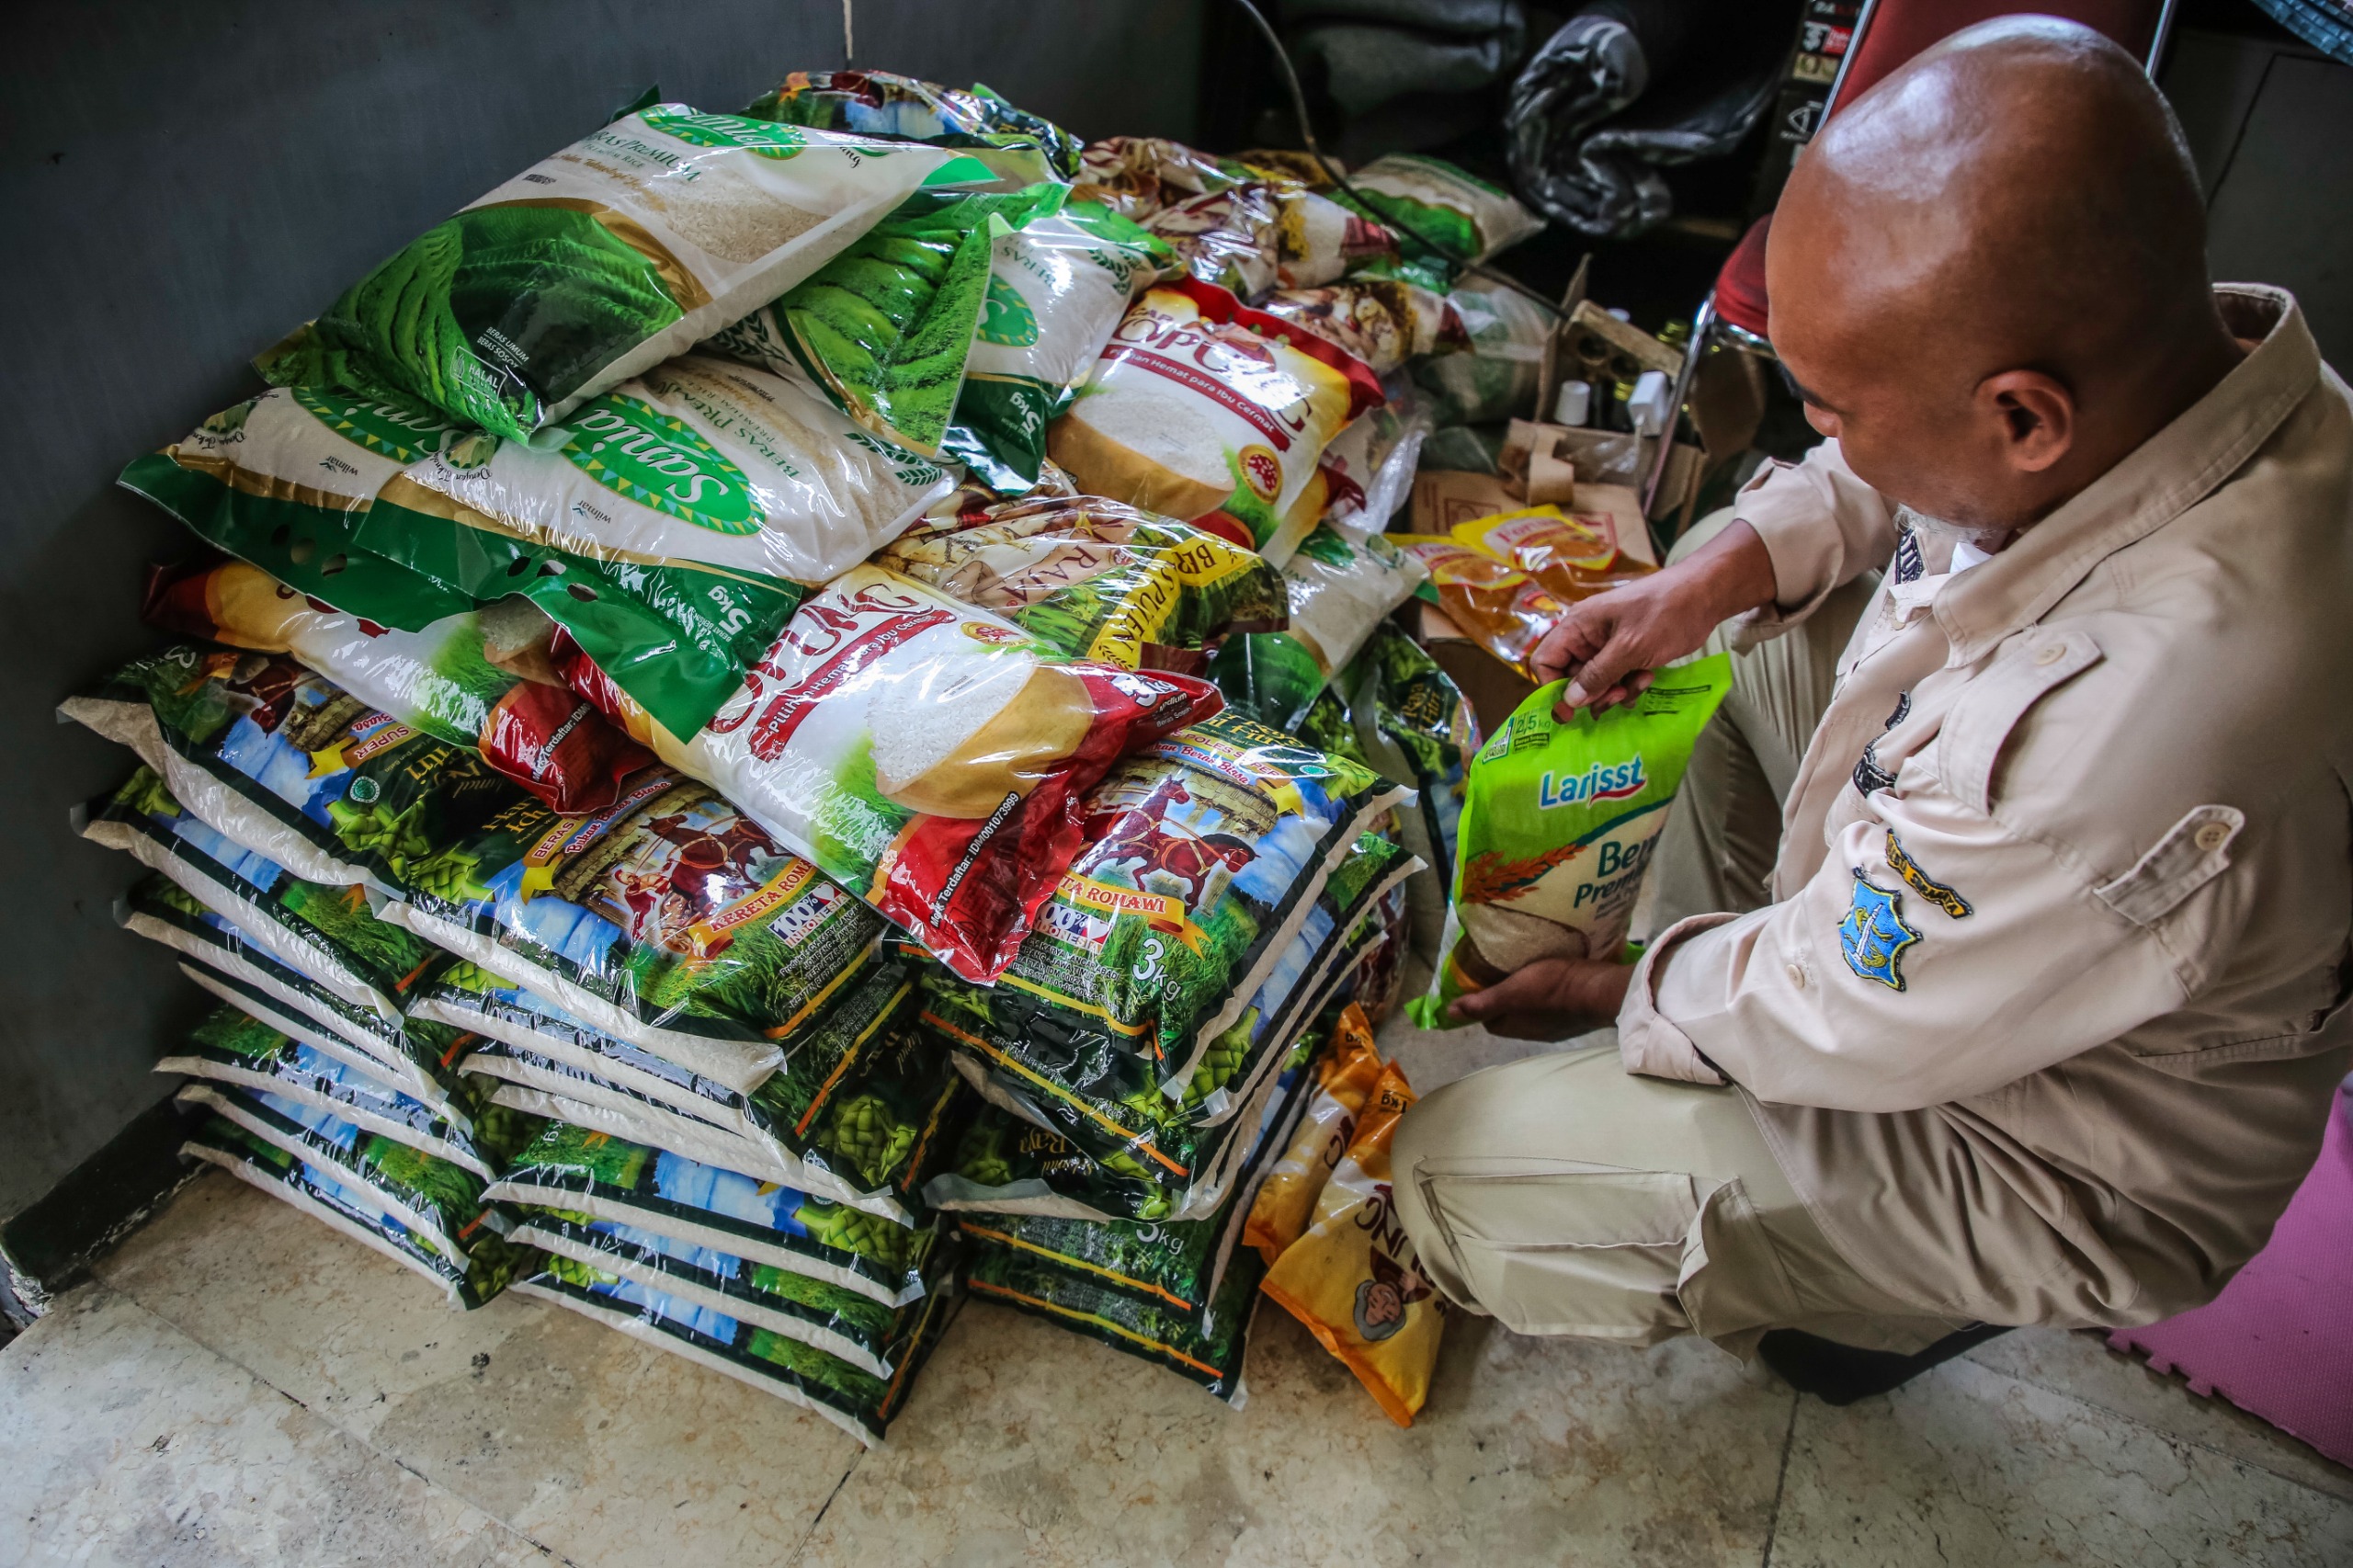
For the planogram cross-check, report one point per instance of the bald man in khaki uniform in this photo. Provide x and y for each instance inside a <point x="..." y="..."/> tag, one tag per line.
<point x="2039" y="1015"/>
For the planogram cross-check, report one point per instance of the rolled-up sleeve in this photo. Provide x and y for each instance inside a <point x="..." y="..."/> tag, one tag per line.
<point x="1936" y="955"/>
<point x="1823" y="527"/>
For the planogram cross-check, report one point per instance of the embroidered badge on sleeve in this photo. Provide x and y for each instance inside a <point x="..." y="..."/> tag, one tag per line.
<point x="1942" y="895"/>
<point x="1873" y="934"/>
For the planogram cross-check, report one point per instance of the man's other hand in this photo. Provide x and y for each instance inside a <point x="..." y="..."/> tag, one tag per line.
<point x="1606" y="646"/>
<point x="1550" y="999"/>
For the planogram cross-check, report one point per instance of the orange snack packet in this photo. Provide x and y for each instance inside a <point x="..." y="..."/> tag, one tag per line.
<point x="1354" y="1279"/>
<point x="1285" y="1199"/>
<point x="1500" y="607"/>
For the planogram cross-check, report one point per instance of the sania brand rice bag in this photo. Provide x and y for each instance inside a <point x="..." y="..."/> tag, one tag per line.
<point x="1558" y="829"/>
<point x="1211" y="411"/>
<point x="927" y="755"/>
<point x="603" y="260"/>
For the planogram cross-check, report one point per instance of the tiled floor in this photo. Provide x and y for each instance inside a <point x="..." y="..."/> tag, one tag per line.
<point x="242" y="1386"/>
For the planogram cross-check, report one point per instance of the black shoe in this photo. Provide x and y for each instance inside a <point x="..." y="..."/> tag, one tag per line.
<point x="1841" y="1374"/>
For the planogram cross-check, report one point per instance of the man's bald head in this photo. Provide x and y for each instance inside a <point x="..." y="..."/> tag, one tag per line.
<point x="2016" y="198"/>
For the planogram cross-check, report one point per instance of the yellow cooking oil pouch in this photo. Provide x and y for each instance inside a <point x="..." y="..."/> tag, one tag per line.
<point x="1285" y="1199"/>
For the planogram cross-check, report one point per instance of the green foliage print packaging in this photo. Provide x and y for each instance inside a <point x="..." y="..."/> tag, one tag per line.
<point x="441" y="1203"/>
<point x="1558" y="827"/>
<point x="603" y="260"/>
<point x="416" y="1057"/>
<point x="579" y="1171"/>
<point x="231" y="1047"/>
<point x="1169" y="1148"/>
<point x="1210" y="1354"/>
<point x="851" y="1114"/>
<point x="328" y="933"/>
<point x="328" y="1194"/>
<point x="828" y="1317"/>
<point x="853" y="1399"/>
<point x="884" y="329"/>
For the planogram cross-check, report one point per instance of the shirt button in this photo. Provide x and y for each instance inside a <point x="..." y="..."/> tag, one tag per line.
<point x="1797" y="975"/>
<point x="2052" y="655"/>
<point x="2213" y="837"/>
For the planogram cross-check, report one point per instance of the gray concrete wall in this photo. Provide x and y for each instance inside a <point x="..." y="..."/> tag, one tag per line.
<point x="185" y="182"/>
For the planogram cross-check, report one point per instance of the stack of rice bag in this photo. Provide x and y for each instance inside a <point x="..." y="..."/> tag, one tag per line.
<point x="795" y="707"/>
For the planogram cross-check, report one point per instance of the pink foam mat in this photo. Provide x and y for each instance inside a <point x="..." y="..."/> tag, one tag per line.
<point x="2278" y="1341"/>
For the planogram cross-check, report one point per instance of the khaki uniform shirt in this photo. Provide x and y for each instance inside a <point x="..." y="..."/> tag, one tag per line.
<point x="2065" y="884"/>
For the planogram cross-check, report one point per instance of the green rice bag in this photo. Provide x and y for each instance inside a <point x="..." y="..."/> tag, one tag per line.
<point x="841" y="1323"/>
<point x="880" y="103"/>
<point x="231" y="1047"/>
<point x="1058" y="286"/>
<point x="848" y="1114"/>
<point x="884" y="329"/>
<point x="1208" y="1351"/>
<point x="1204" y="857"/>
<point x="1417" y="729"/>
<point x="1099" y="580"/>
<point x="441" y="1202"/>
<point x="1339" y="589"/>
<point x="1169" y="1148"/>
<point x="603" y="260"/>
<point x="857" y="1401"/>
<point x="1442" y="202"/>
<point x="582" y="1172"/>
<point x="418" y="1058"/>
<point x="327" y="1194"/>
<point x="1558" y="826"/>
<point x="1496" y="380"/>
<point x="328" y="933"/>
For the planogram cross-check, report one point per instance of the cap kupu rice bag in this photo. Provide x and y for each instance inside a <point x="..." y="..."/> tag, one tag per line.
<point x="1099" y="580"/>
<point x="602" y="261"/>
<point x="1210" y="412"/>
<point x="1285" y="1199"/>
<point x="928" y="756"/>
<point x="1355" y="1280"/>
<point x="1557" y="825"/>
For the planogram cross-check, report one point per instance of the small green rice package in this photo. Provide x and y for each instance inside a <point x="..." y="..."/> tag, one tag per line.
<point x="330" y="934"/>
<point x="603" y="260"/>
<point x="1442" y="202"/>
<point x="1207" y="1350"/>
<point x="328" y="1194"/>
<point x="851" y="1398"/>
<point x="581" y="1172"/>
<point x="841" y="1323"/>
<point x="231" y="1047"/>
<point x="1339" y="587"/>
<point x="1058" y="286"/>
<point x="1557" y="825"/>
<point x="440" y="1203"/>
<point x="1099" y="580"/>
<point x="883" y="330"/>
<point x="1496" y="378"/>
<point x="1417" y="728"/>
<point x="847" y="1115"/>
<point x="1016" y="142"/>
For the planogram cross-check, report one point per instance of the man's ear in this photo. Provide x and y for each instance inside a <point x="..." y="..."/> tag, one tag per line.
<point x="2034" y="415"/>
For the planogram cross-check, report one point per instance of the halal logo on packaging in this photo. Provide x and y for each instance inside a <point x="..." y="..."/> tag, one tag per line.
<point x="659" y="461"/>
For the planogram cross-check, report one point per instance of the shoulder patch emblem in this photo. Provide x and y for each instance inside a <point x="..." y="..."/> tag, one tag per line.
<point x="1873" y="934"/>
<point x="1942" y="895"/>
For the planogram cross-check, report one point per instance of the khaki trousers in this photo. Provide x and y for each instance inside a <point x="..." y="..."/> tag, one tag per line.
<point x="1563" y="1195"/>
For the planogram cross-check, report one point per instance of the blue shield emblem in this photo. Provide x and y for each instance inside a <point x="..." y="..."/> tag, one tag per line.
<point x="1873" y="934"/>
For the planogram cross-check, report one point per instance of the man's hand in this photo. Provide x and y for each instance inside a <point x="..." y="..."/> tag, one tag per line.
<point x="1606" y="646"/>
<point x="1550" y="999"/>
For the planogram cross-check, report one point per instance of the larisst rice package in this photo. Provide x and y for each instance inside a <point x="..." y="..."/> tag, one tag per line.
<point x="603" y="260"/>
<point x="1558" y="828"/>
<point x="1211" y="411"/>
